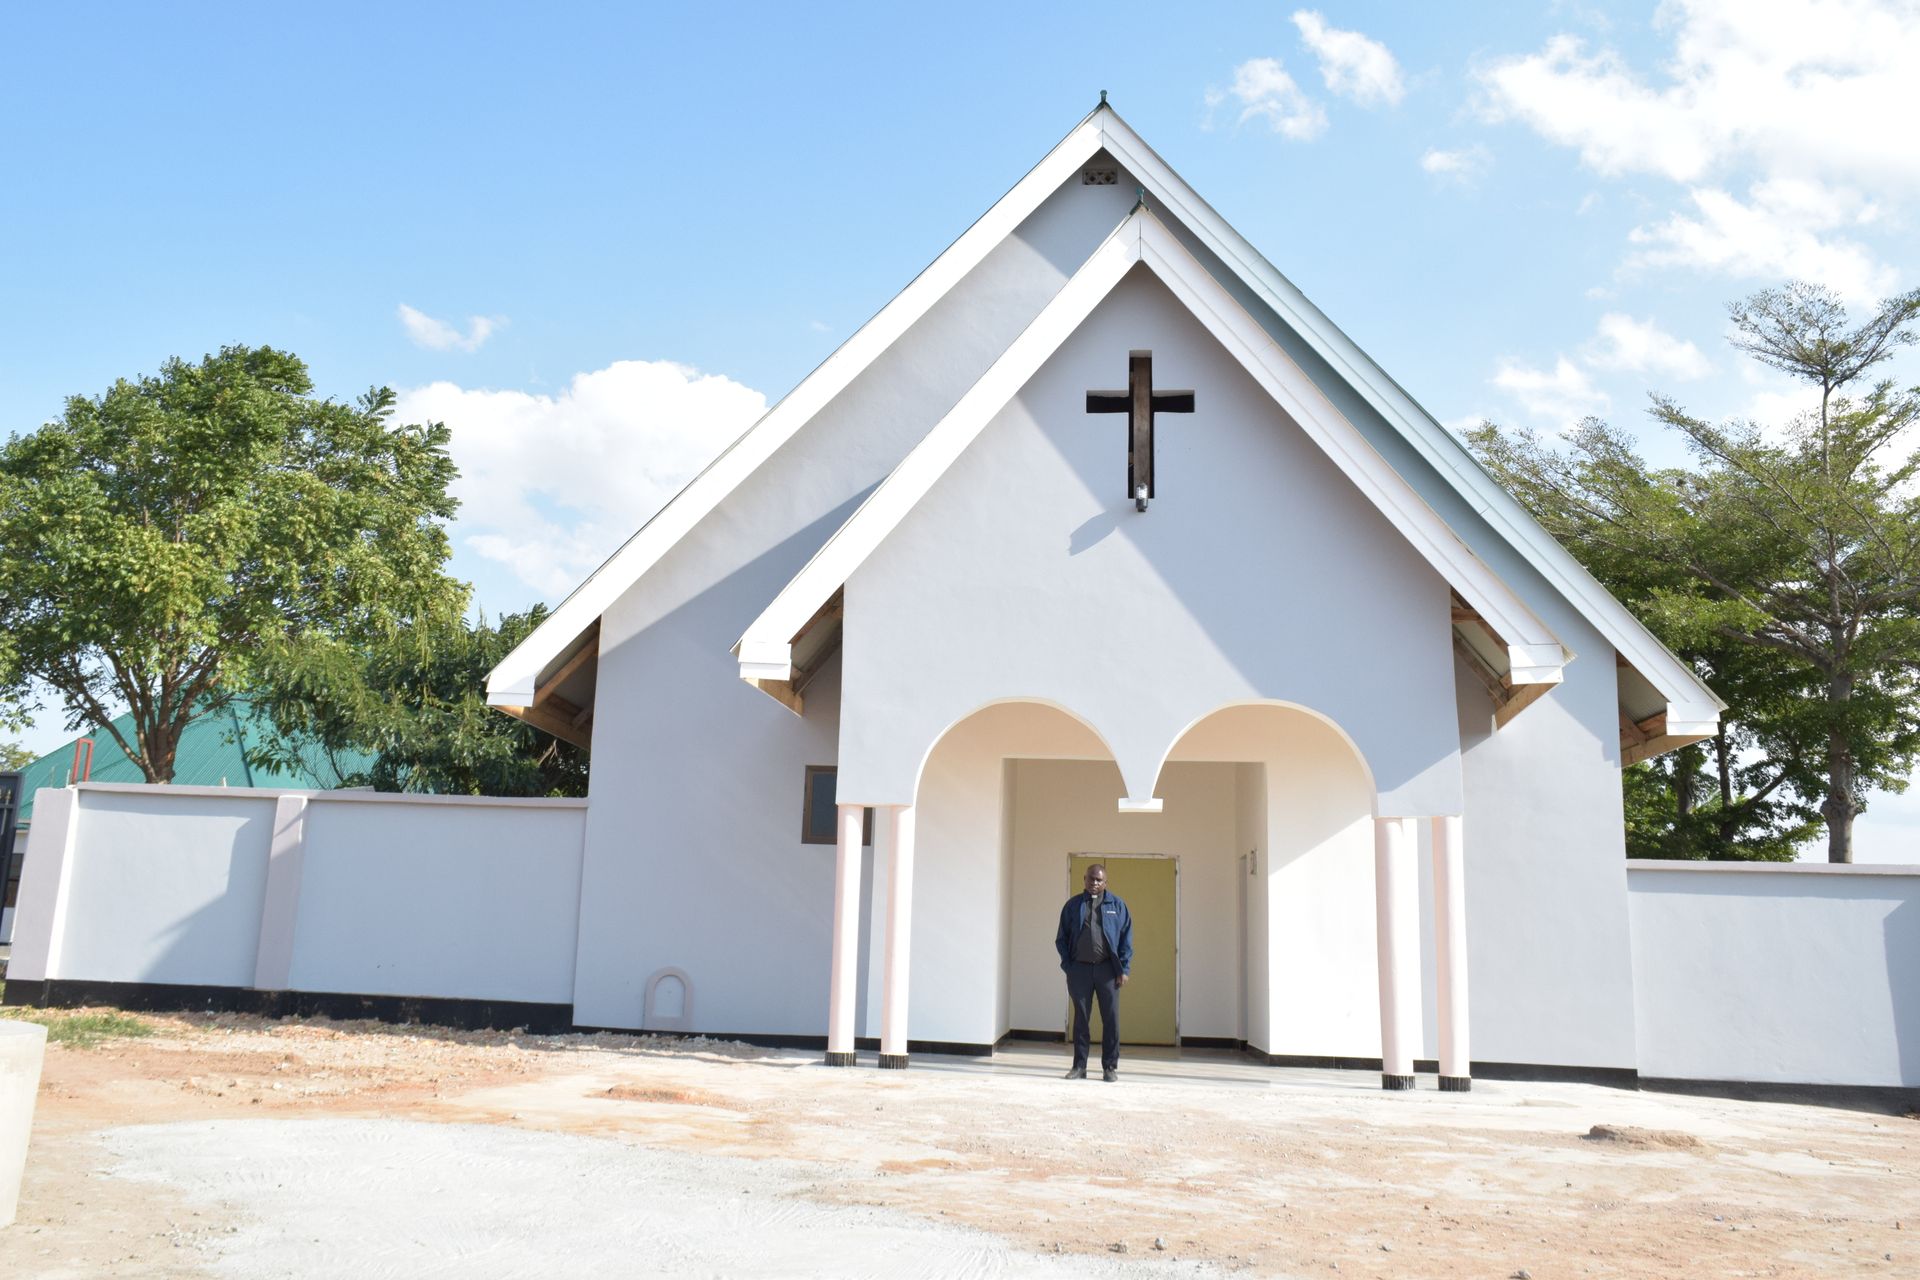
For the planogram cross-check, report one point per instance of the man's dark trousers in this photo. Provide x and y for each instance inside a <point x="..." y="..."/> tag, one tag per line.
<point x="1084" y="982"/>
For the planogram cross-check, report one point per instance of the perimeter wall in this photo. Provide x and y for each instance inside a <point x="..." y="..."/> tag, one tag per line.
<point x="1792" y="973"/>
<point x="428" y="897"/>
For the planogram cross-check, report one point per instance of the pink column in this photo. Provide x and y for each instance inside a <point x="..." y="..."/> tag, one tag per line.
<point x="1396" y="890"/>
<point x="1450" y="934"/>
<point x="896" y="822"/>
<point x="846" y="936"/>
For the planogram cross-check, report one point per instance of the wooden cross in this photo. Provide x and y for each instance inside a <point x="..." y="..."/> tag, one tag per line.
<point x="1140" y="402"/>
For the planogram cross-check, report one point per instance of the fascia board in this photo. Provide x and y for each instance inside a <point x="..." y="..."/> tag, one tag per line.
<point x="512" y="682"/>
<point x="1143" y="238"/>
<point x="1445" y="454"/>
<point x="888" y="505"/>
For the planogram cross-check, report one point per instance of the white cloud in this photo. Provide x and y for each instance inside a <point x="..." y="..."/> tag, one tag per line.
<point x="1804" y="102"/>
<point x="438" y="335"/>
<point x="551" y="485"/>
<point x="1782" y="231"/>
<point x="1563" y="394"/>
<point x="1465" y="165"/>
<point x="1623" y="344"/>
<point x="1804" y="87"/>
<point x="1352" y="65"/>
<point x="1265" y="91"/>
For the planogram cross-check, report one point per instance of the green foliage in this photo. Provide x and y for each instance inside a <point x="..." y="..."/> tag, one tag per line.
<point x="81" y="1029"/>
<point x="417" y="705"/>
<point x="171" y="539"/>
<point x="1785" y="565"/>
<point x="14" y="756"/>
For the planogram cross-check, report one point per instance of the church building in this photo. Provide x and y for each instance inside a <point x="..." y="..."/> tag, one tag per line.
<point x="1101" y="542"/>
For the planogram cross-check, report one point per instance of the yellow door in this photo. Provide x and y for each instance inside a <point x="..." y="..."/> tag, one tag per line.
<point x="1148" y="1004"/>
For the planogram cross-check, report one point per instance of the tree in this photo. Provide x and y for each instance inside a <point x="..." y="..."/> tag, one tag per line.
<point x="168" y="540"/>
<point x="14" y="756"/>
<point x="1788" y="564"/>
<point x="1741" y="794"/>
<point x="420" y="710"/>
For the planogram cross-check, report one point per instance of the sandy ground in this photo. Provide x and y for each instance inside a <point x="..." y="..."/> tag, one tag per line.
<point x="229" y="1146"/>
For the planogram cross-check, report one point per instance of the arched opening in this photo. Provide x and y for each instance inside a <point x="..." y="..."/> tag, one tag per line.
<point x="1251" y="888"/>
<point x="982" y="929"/>
<point x="1301" y="913"/>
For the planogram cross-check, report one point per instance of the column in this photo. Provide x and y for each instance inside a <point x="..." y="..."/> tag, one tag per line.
<point x="896" y="829"/>
<point x="1450" y="945"/>
<point x="280" y="907"/>
<point x="1396" y="891"/>
<point x="846" y="936"/>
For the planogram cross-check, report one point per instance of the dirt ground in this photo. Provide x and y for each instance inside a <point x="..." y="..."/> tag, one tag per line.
<point x="164" y="1156"/>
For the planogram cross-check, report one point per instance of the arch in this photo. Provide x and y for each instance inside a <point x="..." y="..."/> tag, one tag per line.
<point x="1106" y="746"/>
<point x="677" y="989"/>
<point x="1275" y="704"/>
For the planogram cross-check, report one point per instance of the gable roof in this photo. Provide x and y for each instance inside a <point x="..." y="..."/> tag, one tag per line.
<point x="1671" y="704"/>
<point x="1532" y="655"/>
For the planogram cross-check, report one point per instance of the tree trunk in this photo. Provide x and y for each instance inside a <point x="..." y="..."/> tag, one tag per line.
<point x="1684" y="766"/>
<point x="1723" y="759"/>
<point x="159" y="745"/>
<point x="1839" y="808"/>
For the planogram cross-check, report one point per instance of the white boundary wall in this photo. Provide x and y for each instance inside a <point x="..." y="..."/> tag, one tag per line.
<point x="355" y="892"/>
<point x="1795" y="973"/>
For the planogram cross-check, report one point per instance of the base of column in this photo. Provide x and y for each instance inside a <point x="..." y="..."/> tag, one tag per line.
<point x="1396" y="1082"/>
<point x="893" y="1061"/>
<point x="835" y="1058"/>
<point x="1456" y="1084"/>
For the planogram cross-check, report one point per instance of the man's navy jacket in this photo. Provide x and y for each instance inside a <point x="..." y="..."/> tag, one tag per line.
<point x="1115" y="921"/>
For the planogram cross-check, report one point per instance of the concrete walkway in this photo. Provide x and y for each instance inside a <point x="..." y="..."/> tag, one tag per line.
<point x="1143" y="1063"/>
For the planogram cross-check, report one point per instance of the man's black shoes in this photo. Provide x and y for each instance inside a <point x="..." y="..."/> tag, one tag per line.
<point x="1076" y="1073"/>
<point x="1109" y="1075"/>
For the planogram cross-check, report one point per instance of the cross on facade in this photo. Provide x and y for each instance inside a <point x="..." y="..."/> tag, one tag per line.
<point x="1140" y="402"/>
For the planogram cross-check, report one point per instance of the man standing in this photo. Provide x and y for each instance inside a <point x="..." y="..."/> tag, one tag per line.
<point x="1095" y="942"/>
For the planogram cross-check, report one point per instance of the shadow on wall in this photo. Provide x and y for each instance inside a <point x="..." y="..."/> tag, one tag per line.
<point x="1902" y="931"/>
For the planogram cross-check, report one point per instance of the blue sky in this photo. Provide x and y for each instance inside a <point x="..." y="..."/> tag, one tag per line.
<point x="593" y="234"/>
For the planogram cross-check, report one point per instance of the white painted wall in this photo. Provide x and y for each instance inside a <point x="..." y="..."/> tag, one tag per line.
<point x="435" y="899"/>
<point x="696" y="777"/>
<point x="1548" y="947"/>
<point x="1026" y="572"/>
<point x="1316" y="863"/>
<point x="1546" y="895"/>
<point x="1796" y="973"/>
<point x="1250" y="842"/>
<point x="166" y="887"/>
<point x="465" y="897"/>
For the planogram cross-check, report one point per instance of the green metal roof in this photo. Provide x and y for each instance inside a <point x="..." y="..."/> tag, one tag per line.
<point x="211" y="754"/>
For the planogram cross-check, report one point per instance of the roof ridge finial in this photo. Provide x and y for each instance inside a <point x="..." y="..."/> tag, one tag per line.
<point x="1140" y="203"/>
<point x="1103" y="99"/>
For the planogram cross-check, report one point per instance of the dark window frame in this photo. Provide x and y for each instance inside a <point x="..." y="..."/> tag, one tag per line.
<point x="806" y="811"/>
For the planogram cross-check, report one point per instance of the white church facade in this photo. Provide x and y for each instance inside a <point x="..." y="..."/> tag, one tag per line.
<point x="1099" y="542"/>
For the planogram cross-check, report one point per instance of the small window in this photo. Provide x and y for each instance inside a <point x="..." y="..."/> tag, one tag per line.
<point x="821" y="809"/>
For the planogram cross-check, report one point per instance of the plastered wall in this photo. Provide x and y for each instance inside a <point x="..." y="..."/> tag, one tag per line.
<point x="378" y="895"/>
<point x="1794" y="973"/>
<point x="696" y="777"/>
<point x="164" y="888"/>
<point x="1260" y="572"/>
<point x="441" y="900"/>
